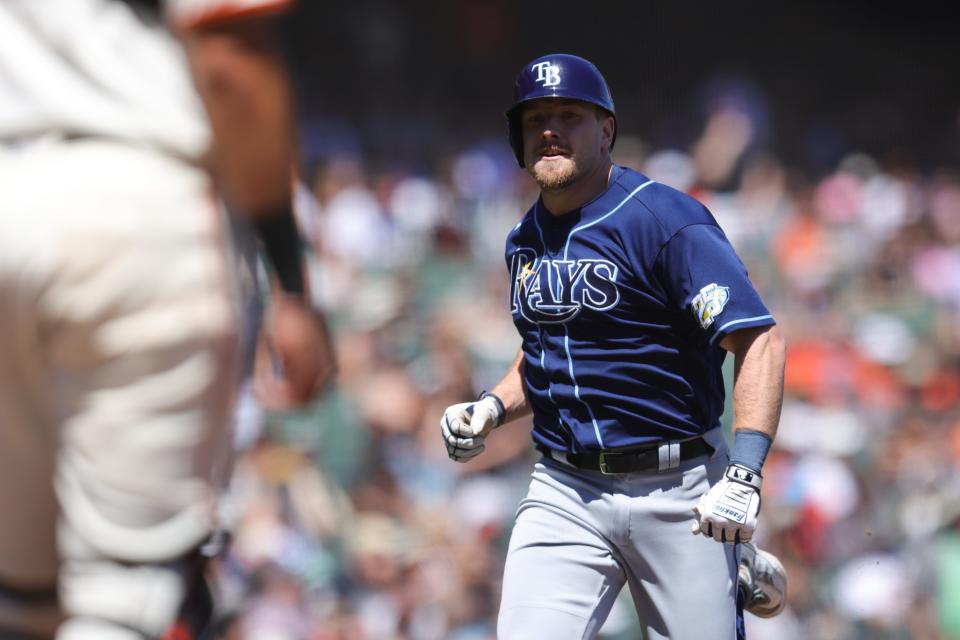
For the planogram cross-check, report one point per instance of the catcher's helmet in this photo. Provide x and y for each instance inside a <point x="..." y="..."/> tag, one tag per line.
<point x="558" y="75"/>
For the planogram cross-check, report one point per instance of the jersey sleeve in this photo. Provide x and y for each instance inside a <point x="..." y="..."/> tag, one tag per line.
<point x="703" y="276"/>
<point x="185" y="15"/>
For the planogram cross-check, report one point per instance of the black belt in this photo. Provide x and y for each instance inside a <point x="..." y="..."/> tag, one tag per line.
<point x="661" y="457"/>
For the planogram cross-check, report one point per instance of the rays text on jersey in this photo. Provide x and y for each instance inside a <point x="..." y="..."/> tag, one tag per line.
<point x="545" y="290"/>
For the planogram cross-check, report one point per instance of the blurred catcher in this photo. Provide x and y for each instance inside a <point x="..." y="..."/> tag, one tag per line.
<point x="119" y="333"/>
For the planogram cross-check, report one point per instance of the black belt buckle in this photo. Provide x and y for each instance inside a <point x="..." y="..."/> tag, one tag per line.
<point x="603" y="462"/>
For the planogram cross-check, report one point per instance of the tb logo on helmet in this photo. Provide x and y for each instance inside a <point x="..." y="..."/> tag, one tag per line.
<point x="548" y="74"/>
<point x="555" y="75"/>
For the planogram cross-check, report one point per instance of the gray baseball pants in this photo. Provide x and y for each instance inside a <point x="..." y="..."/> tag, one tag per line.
<point x="580" y="535"/>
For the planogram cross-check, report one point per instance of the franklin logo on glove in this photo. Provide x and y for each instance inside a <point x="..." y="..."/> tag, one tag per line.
<point x="728" y="512"/>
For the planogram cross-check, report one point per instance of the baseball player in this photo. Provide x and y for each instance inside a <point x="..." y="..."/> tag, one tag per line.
<point x="118" y="337"/>
<point x="627" y="297"/>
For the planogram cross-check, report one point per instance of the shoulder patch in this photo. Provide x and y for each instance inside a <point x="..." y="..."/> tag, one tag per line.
<point x="709" y="303"/>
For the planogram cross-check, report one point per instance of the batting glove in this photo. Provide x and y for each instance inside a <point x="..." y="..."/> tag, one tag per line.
<point x="728" y="512"/>
<point x="464" y="426"/>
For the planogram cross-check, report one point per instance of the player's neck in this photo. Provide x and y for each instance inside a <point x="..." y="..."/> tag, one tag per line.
<point x="562" y="201"/>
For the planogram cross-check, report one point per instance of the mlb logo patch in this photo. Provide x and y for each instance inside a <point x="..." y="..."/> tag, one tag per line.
<point x="709" y="303"/>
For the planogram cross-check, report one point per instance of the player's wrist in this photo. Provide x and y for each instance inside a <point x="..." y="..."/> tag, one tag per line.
<point x="743" y="475"/>
<point x="501" y="411"/>
<point x="750" y="448"/>
<point x="277" y="231"/>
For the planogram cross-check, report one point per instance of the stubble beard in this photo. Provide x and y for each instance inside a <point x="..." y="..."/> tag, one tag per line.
<point x="555" y="175"/>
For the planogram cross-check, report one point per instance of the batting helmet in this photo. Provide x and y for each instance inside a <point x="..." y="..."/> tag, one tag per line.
<point x="558" y="75"/>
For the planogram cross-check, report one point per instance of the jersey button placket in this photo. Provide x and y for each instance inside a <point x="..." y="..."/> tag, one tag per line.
<point x="545" y="357"/>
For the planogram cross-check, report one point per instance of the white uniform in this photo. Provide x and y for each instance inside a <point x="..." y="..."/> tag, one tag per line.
<point x="117" y="315"/>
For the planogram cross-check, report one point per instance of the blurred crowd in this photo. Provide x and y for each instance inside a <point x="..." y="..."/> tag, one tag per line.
<point x="349" y="522"/>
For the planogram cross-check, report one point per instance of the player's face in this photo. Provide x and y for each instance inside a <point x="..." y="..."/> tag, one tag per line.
<point x="562" y="140"/>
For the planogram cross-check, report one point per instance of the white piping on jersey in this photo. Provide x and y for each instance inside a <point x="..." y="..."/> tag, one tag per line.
<point x="566" y="342"/>
<point x="576" y="386"/>
<point x="740" y="321"/>
<point x="543" y="351"/>
<point x="543" y="367"/>
<point x="566" y="247"/>
<point x="566" y="333"/>
<point x="536" y="223"/>
<point x="543" y="243"/>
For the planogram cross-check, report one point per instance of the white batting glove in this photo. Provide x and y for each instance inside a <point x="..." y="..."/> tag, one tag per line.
<point x="464" y="426"/>
<point x="728" y="512"/>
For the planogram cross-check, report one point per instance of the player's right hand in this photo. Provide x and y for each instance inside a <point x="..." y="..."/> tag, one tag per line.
<point x="465" y="426"/>
<point x="304" y="362"/>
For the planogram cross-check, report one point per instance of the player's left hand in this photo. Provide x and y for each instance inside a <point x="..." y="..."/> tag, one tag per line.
<point x="464" y="427"/>
<point x="728" y="512"/>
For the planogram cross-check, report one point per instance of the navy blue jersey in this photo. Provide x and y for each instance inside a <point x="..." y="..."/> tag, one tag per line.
<point x="621" y="306"/>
